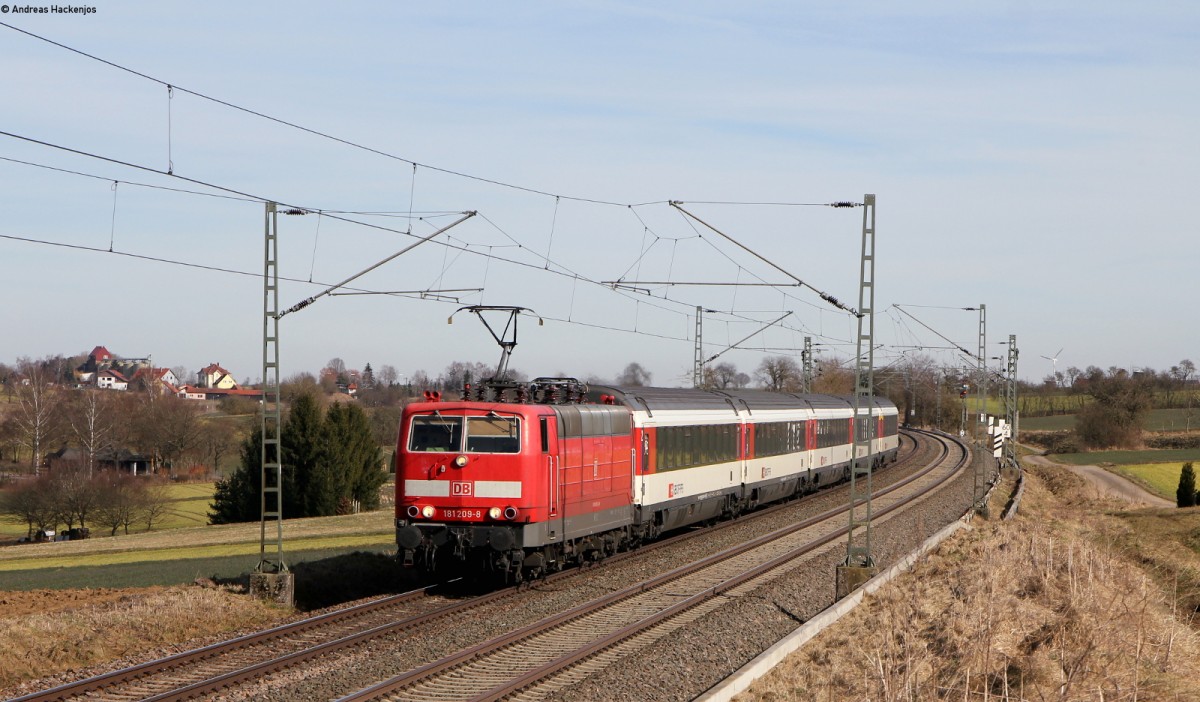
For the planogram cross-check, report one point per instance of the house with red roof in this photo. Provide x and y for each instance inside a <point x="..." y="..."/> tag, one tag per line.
<point x="111" y="380"/>
<point x="215" y="377"/>
<point x="161" y="378"/>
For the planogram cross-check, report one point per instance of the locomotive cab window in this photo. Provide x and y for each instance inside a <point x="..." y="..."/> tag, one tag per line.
<point x="434" y="433"/>
<point x="493" y="434"/>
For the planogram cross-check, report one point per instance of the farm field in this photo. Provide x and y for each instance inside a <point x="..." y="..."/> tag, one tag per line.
<point x="1156" y="420"/>
<point x="1162" y="479"/>
<point x="181" y="555"/>
<point x="189" y="505"/>
<point x="1128" y="457"/>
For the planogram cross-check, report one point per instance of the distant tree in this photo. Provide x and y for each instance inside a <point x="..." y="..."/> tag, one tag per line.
<point x="368" y="377"/>
<point x="154" y="503"/>
<point x="213" y="442"/>
<point x="298" y="384"/>
<point x="91" y="414"/>
<point x="420" y="382"/>
<point x="388" y="375"/>
<point x="119" y="497"/>
<point x="1115" y="414"/>
<point x="337" y="368"/>
<point x="634" y="375"/>
<point x="75" y="494"/>
<point x="183" y="375"/>
<point x="1185" y="494"/>
<point x="33" y="502"/>
<point x="725" y="375"/>
<point x="835" y="376"/>
<point x="778" y="374"/>
<point x="165" y="427"/>
<point x="37" y="414"/>
<point x="452" y="379"/>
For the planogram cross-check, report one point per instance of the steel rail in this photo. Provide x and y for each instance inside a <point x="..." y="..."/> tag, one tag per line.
<point x="167" y="664"/>
<point x="456" y="660"/>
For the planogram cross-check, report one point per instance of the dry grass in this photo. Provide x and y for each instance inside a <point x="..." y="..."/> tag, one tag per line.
<point x="1055" y="605"/>
<point x="40" y="644"/>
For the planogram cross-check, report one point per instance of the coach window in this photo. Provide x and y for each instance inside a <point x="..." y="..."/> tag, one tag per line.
<point x="435" y="433"/>
<point x="493" y="434"/>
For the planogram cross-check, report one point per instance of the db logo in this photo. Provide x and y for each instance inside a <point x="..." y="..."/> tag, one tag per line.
<point x="461" y="489"/>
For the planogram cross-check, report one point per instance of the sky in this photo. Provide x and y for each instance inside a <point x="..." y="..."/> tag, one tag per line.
<point x="1035" y="158"/>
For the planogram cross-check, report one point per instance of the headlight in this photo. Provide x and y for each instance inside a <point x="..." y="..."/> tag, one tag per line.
<point x="427" y="511"/>
<point x="495" y="512"/>
<point x="510" y="513"/>
<point x="414" y="511"/>
<point x="460" y="461"/>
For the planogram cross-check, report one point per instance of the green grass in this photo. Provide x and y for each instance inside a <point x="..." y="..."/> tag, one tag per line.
<point x="189" y="507"/>
<point x="169" y="572"/>
<point x="1126" y="458"/>
<point x="1156" y="420"/>
<point x="1160" y="478"/>
<point x="1058" y="422"/>
<point x="166" y="555"/>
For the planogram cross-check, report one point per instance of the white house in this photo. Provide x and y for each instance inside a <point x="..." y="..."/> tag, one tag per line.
<point x="111" y="380"/>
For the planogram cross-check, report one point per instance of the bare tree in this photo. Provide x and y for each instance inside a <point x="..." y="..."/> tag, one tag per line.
<point x="183" y="375"/>
<point x="90" y="415"/>
<point x="37" y="413"/>
<point x="778" y="374"/>
<point x="834" y="376"/>
<point x="166" y="427"/>
<point x="213" y="442"/>
<point x="634" y="375"/>
<point x="456" y="374"/>
<point x="120" y="496"/>
<point x="75" y="494"/>
<point x="388" y="375"/>
<point x="725" y="375"/>
<point x="154" y="504"/>
<point x="33" y="502"/>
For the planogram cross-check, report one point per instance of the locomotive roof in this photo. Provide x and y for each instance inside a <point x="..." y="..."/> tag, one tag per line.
<point x="655" y="399"/>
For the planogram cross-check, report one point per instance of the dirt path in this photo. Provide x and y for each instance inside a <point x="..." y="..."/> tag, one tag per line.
<point x="1109" y="484"/>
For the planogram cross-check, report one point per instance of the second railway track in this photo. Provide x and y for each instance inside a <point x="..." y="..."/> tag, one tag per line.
<point x="231" y="665"/>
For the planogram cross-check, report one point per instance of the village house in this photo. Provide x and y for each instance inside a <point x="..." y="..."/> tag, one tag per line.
<point x="214" y="376"/>
<point x="111" y="380"/>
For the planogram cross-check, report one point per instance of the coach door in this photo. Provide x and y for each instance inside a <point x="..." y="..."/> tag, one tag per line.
<point x="552" y="465"/>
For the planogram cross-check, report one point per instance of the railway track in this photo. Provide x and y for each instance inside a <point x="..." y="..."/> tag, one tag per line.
<point x="229" y="664"/>
<point x="537" y="660"/>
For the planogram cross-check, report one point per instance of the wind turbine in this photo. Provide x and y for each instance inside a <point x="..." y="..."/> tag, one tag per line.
<point x="1054" y="364"/>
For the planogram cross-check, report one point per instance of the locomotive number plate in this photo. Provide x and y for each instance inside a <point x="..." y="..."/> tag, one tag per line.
<point x="462" y="514"/>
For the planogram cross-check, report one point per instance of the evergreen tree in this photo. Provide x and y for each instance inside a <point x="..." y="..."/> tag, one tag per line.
<point x="328" y="460"/>
<point x="236" y="498"/>
<point x="1185" y="494"/>
<point x="360" y="462"/>
<point x="306" y="456"/>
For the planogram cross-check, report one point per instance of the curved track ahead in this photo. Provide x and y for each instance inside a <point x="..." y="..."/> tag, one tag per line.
<point x="556" y="651"/>
<point x="252" y="657"/>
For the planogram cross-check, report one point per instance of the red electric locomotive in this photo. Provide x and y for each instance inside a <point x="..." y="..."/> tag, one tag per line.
<point x="525" y="479"/>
